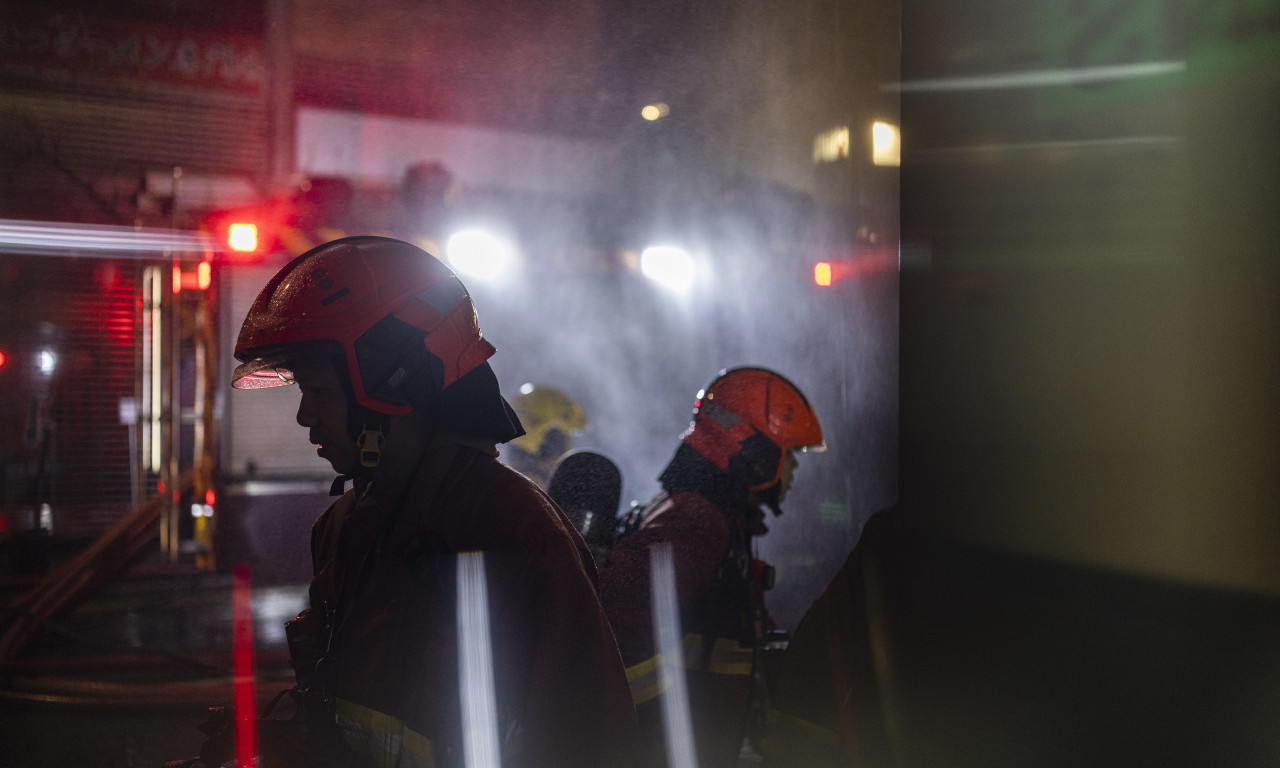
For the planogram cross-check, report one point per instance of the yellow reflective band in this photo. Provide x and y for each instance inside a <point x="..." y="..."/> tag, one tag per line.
<point x="646" y="679"/>
<point x="383" y="738"/>
<point x="692" y="649"/>
<point x="728" y="657"/>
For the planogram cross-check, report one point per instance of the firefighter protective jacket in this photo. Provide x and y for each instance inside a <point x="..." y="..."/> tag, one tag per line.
<point x="386" y="573"/>
<point x="720" y="613"/>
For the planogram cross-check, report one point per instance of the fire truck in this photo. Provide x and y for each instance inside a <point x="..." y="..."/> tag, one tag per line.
<point x="117" y="345"/>
<point x="123" y="445"/>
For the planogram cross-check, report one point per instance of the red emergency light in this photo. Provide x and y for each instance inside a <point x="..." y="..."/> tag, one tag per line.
<point x="3" y="358"/>
<point x="864" y="264"/>
<point x="198" y="280"/>
<point x="242" y="237"/>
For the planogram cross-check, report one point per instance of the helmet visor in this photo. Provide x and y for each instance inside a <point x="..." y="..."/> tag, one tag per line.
<point x="818" y="447"/>
<point x="274" y="366"/>
<point x="262" y="372"/>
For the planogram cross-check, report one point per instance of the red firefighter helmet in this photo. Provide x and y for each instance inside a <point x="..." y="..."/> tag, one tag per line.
<point x="751" y="417"/>
<point x="403" y="321"/>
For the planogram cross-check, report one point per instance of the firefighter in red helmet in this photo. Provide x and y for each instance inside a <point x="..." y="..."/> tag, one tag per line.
<point x="737" y="459"/>
<point x="398" y="396"/>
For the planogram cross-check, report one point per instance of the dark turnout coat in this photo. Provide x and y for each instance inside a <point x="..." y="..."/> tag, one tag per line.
<point x="387" y="570"/>
<point x="719" y="612"/>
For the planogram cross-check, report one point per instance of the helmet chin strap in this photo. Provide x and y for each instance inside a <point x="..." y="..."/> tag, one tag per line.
<point x="771" y="498"/>
<point x="370" y="441"/>
<point x="368" y="429"/>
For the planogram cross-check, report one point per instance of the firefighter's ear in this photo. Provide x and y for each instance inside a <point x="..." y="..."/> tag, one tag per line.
<point x="396" y="366"/>
<point x="757" y="460"/>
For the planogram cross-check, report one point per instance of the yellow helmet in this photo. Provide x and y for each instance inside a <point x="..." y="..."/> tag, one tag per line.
<point x="550" y="417"/>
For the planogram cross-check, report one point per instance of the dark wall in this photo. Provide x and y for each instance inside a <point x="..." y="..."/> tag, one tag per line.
<point x="1088" y="348"/>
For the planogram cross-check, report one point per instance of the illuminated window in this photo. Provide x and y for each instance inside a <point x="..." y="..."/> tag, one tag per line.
<point x="832" y="145"/>
<point x="653" y="112"/>
<point x="885" y="145"/>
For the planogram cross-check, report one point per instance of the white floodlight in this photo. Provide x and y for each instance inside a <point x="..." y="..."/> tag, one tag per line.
<point x="669" y="265"/>
<point x="47" y="360"/>
<point x="479" y="254"/>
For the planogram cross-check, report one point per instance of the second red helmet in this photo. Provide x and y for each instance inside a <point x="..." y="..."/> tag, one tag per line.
<point x="742" y="403"/>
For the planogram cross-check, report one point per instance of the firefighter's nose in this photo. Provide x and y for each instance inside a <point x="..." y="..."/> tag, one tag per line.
<point x="306" y="414"/>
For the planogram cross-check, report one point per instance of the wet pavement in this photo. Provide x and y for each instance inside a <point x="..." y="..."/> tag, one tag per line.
<point x="1003" y="661"/>
<point x="126" y="677"/>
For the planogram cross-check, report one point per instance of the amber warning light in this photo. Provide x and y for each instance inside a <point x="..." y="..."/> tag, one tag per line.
<point x="822" y="273"/>
<point x="242" y="237"/>
<point x="866" y="264"/>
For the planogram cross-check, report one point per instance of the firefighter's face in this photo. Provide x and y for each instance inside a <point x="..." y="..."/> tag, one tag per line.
<point x="756" y="524"/>
<point x="323" y="411"/>
<point x="789" y="463"/>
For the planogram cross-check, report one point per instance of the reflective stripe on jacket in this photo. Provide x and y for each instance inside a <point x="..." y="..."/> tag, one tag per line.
<point x="383" y="739"/>
<point x="648" y="679"/>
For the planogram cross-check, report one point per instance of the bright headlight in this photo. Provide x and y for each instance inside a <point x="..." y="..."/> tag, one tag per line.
<point x="669" y="265"/>
<point x="479" y="254"/>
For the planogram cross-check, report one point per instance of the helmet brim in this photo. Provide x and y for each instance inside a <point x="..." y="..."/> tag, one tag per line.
<point x="267" y="367"/>
<point x="264" y="371"/>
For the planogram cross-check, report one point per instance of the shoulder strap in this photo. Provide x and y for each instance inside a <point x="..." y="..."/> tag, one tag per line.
<point x="656" y="506"/>
<point x="637" y="516"/>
